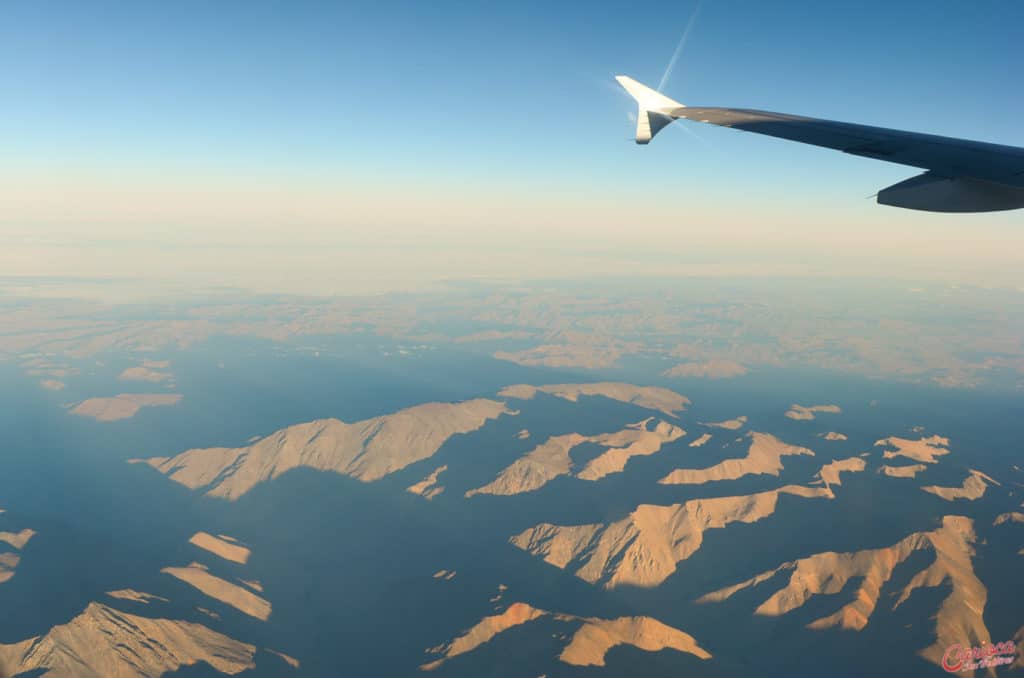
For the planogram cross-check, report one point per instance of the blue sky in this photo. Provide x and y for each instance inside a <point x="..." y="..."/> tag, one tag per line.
<point x="528" y="84"/>
<point x="395" y="97"/>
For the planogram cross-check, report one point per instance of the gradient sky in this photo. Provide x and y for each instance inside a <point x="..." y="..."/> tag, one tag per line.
<point x="274" y="145"/>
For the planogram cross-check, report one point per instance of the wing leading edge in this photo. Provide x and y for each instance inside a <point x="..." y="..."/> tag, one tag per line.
<point x="961" y="176"/>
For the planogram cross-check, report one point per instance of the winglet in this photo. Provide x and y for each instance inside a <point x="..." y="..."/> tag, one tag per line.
<point x="655" y="110"/>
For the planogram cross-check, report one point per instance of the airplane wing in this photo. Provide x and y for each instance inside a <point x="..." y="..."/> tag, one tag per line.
<point x="961" y="176"/>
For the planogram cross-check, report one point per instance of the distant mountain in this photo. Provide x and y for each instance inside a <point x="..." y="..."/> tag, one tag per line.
<point x="366" y="450"/>
<point x="103" y="642"/>
<point x="590" y="642"/>
<point x="958" y="620"/>
<point x="644" y="548"/>
<point x="552" y="458"/>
